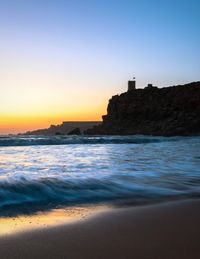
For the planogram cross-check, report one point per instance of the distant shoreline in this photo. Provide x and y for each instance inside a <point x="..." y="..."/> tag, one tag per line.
<point x="65" y="128"/>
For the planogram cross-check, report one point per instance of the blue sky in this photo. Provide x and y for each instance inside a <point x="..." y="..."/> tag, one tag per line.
<point x="93" y="47"/>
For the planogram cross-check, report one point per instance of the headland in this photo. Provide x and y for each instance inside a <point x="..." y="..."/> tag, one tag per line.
<point x="169" y="111"/>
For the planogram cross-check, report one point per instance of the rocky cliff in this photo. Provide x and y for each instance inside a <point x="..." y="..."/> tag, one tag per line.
<point x="166" y="111"/>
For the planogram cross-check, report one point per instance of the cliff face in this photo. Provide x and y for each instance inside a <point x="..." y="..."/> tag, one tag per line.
<point x="156" y="111"/>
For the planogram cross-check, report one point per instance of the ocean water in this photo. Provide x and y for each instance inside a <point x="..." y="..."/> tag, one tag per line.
<point x="40" y="173"/>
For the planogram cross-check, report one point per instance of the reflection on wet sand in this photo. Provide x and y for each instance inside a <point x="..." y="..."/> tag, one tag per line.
<point x="12" y="225"/>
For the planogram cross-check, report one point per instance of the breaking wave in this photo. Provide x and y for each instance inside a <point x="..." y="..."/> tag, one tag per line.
<point x="66" y="140"/>
<point x="40" y="173"/>
<point x="30" y="196"/>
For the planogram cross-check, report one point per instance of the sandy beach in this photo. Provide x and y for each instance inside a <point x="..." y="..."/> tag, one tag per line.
<point x="163" y="231"/>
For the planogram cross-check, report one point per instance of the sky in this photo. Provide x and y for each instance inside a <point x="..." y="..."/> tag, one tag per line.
<point x="63" y="59"/>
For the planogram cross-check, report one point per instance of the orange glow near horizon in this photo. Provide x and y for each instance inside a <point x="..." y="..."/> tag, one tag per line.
<point x="29" y="106"/>
<point x="23" y="123"/>
<point x="35" y="99"/>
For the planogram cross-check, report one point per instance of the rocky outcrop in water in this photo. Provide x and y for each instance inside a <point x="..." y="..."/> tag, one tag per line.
<point x="75" y="131"/>
<point x="166" y="111"/>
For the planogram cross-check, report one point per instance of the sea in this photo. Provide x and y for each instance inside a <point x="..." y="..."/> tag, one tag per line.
<point x="39" y="173"/>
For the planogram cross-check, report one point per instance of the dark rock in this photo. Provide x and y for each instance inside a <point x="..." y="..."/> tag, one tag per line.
<point x="165" y="111"/>
<point x="58" y="133"/>
<point x="75" y="131"/>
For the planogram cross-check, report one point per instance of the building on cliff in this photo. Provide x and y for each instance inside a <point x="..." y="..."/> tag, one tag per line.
<point x="150" y="86"/>
<point x="132" y="84"/>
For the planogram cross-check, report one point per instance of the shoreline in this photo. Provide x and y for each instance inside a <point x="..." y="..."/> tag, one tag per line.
<point x="25" y="223"/>
<point x="167" y="230"/>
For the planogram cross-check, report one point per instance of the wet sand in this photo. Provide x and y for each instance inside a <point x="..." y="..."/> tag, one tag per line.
<point x="164" y="231"/>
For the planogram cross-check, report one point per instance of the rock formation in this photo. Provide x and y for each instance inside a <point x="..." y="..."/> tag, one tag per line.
<point x="165" y="111"/>
<point x="75" y="131"/>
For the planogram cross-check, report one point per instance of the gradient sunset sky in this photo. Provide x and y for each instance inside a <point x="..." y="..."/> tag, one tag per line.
<point x="63" y="59"/>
